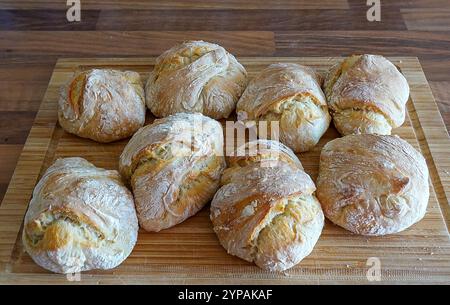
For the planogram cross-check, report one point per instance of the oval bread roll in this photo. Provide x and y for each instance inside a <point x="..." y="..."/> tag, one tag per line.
<point x="102" y="105"/>
<point x="366" y="94"/>
<point x="195" y="76"/>
<point x="372" y="185"/>
<point x="290" y="94"/>
<point x="174" y="167"/>
<point x="265" y="212"/>
<point x="80" y="218"/>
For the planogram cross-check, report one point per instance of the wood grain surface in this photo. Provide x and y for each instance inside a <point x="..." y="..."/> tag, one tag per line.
<point x="190" y="252"/>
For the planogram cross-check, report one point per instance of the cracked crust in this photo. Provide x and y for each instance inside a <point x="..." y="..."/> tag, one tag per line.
<point x="102" y="105"/>
<point x="267" y="214"/>
<point x="290" y="94"/>
<point x="80" y="218"/>
<point x="263" y="151"/>
<point x="366" y="94"/>
<point x="195" y="76"/>
<point x="372" y="185"/>
<point x="174" y="167"/>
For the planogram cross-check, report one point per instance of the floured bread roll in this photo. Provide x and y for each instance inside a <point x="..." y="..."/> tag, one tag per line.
<point x="195" y="76"/>
<point x="290" y="94"/>
<point x="102" y="105"/>
<point x="372" y="185"/>
<point x="366" y="94"/>
<point x="265" y="212"/>
<point x="80" y="218"/>
<point x="174" y="167"/>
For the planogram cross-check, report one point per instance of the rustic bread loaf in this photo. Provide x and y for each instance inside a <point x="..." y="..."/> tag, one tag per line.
<point x="174" y="167"/>
<point x="102" y="105"/>
<point x="80" y="218"/>
<point x="195" y="76"/>
<point x="265" y="211"/>
<point x="371" y="184"/>
<point x="290" y="94"/>
<point x="366" y="94"/>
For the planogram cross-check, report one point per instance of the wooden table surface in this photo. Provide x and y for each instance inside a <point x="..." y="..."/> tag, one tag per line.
<point x="33" y="34"/>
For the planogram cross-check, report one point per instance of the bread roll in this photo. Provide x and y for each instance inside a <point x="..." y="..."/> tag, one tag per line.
<point x="195" y="76"/>
<point x="290" y="94"/>
<point x="372" y="185"/>
<point x="366" y="94"/>
<point x="174" y="166"/>
<point x="80" y="218"/>
<point x="266" y="213"/>
<point x="102" y="105"/>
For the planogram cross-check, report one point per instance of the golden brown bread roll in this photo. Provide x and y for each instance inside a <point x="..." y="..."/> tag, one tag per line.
<point x="195" y="76"/>
<point x="372" y="185"/>
<point x="174" y="167"/>
<point x="290" y="94"/>
<point x="366" y="94"/>
<point x="80" y="218"/>
<point x="266" y="212"/>
<point x="102" y="105"/>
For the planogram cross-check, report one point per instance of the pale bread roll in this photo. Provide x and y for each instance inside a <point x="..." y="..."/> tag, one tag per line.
<point x="266" y="212"/>
<point x="102" y="105"/>
<point x="372" y="185"/>
<point x="195" y="76"/>
<point x="80" y="218"/>
<point x="174" y="167"/>
<point x="366" y="94"/>
<point x="290" y="94"/>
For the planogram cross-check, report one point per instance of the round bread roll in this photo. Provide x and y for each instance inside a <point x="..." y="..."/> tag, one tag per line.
<point x="372" y="185"/>
<point x="265" y="212"/>
<point x="174" y="167"/>
<point x="80" y="218"/>
<point x="195" y="76"/>
<point x="102" y="105"/>
<point x="366" y="94"/>
<point x="290" y="94"/>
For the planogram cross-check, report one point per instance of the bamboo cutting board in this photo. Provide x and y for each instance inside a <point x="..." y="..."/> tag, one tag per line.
<point x="190" y="252"/>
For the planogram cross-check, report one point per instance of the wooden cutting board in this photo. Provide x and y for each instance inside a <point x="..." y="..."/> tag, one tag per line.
<point x="190" y="252"/>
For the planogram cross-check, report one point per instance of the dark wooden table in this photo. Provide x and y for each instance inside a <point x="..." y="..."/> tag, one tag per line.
<point x="34" y="34"/>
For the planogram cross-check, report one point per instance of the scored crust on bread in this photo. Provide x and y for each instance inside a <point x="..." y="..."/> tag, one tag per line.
<point x="80" y="218"/>
<point x="195" y="76"/>
<point x="267" y="214"/>
<point x="366" y="94"/>
<point x="102" y="105"/>
<point x="290" y="94"/>
<point x="265" y="152"/>
<point x="174" y="167"/>
<point x="371" y="184"/>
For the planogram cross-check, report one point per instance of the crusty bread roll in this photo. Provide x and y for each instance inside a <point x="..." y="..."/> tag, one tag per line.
<point x="371" y="184"/>
<point x="80" y="218"/>
<point x="174" y="167"/>
<point x="366" y="94"/>
<point x="290" y="94"/>
<point x="102" y="105"/>
<point x="265" y="212"/>
<point x="195" y="76"/>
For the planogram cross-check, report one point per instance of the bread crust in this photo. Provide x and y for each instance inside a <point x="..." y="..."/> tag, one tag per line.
<point x="102" y="105"/>
<point x="174" y="167"/>
<point x="366" y="94"/>
<point x="80" y="218"/>
<point x="267" y="213"/>
<point x="290" y="94"/>
<point x="195" y="76"/>
<point x="372" y="185"/>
